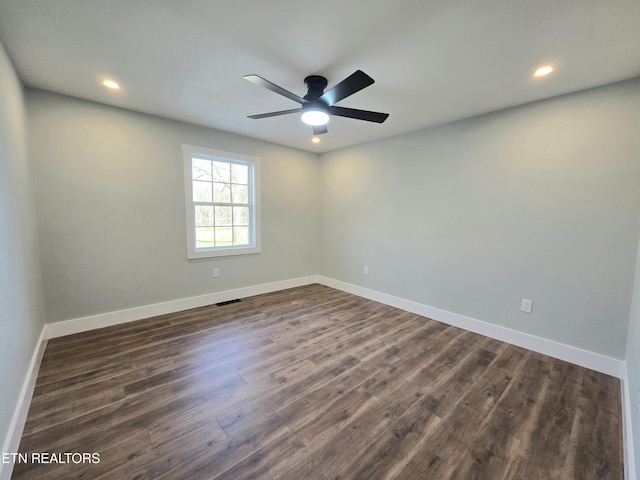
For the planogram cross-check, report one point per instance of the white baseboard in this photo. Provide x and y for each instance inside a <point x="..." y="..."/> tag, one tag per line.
<point x="578" y="356"/>
<point x="52" y="330"/>
<point x="584" y="358"/>
<point x="594" y="361"/>
<point x="16" y="427"/>
<point x="627" y="433"/>
<point x="77" y="325"/>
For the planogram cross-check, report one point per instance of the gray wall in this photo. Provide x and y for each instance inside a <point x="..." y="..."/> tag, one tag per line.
<point x="633" y="364"/>
<point x="111" y="207"/>
<point x="537" y="202"/>
<point x="20" y="294"/>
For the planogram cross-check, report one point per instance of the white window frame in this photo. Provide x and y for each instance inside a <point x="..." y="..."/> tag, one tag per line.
<point x="189" y="151"/>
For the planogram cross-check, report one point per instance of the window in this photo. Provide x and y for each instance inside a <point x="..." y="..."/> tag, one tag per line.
<point x="221" y="200"/>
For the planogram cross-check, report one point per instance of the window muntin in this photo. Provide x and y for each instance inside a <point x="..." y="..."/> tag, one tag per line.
<point x="221" y="193"/>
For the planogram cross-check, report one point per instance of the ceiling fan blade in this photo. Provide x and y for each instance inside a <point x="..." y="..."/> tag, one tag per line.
<point x="350" y="85"/>
<point x="319" y="129"/>
<point x="258" y="80"/>
<point x="366" y="115"/>
<point x="274" y="114"/>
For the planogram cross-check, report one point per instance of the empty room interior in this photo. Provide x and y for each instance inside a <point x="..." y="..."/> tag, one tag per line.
<point x="320" y="240"/>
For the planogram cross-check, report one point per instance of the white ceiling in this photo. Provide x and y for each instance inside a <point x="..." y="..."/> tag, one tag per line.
<point x="433" y="61"/>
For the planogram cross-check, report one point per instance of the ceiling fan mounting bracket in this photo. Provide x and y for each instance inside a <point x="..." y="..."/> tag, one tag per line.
<point x="316" y="85"/>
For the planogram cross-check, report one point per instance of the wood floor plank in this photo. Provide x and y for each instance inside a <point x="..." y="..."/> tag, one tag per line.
<point x="390" y="452"/>
<point x="206" y="461"/>
<point x="132" y="454"/>
<point x="426" y="465"/>
<point x="514" y="411"/>
<point x="313" y="431"/>
<point x="520" y="468"/>
<point x="595" y="441"/>
<point x="489" y="455"/>
<point x="445" y="391"/>
<point x="485" y="392"/>
<point x="315" y="383"/>
<point x="454" y="434"/>
<point x="182" y="424"/>
<point x="264" y="401"/>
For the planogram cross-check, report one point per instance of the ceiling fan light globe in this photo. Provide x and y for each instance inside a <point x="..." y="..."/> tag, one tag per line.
<point x="315" y="117"/>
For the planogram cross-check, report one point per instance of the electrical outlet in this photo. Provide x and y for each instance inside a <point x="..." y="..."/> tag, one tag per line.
<point x="216" y="272"/>
<point x="365" y="270"/>
<point x="526" y="305"/>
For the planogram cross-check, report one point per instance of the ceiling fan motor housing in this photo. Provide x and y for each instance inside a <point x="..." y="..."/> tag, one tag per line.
<point x="316" y="85"/>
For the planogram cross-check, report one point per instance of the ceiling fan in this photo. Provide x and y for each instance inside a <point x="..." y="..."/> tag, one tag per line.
<point x="317" y="104"/>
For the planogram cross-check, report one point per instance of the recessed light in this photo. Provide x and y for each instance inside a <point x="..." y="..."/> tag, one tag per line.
<point x="111" y="84"/>
<point x="315" y="140"/>
<point x="543" y="71"/>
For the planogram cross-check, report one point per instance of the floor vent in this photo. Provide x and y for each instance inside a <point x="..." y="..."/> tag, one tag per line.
<point x="221" y="304"/>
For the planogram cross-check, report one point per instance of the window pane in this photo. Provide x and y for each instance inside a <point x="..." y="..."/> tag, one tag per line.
<point x="239" y="194"/>
<point x="204" y="237"/>
<point x="241" y="215"/>
<point x="204" y="216"/>
<point x="221" y="172"/>
<point x="240" y="235"/>
<point x="223" y="205"/>
<point x="223" y="216"/>
<point x="221" y="193"/>
<point x="202" y="192"/>
<point x="224" y="237"/>
<point x="239" y="173"/>
<point x="201" y="169"/>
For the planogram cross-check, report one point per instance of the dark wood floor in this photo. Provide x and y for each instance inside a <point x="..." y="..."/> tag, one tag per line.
<point x="314" y="383"/>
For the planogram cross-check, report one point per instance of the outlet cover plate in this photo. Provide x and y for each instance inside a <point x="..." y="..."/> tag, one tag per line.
<point x="526" y="305"/>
